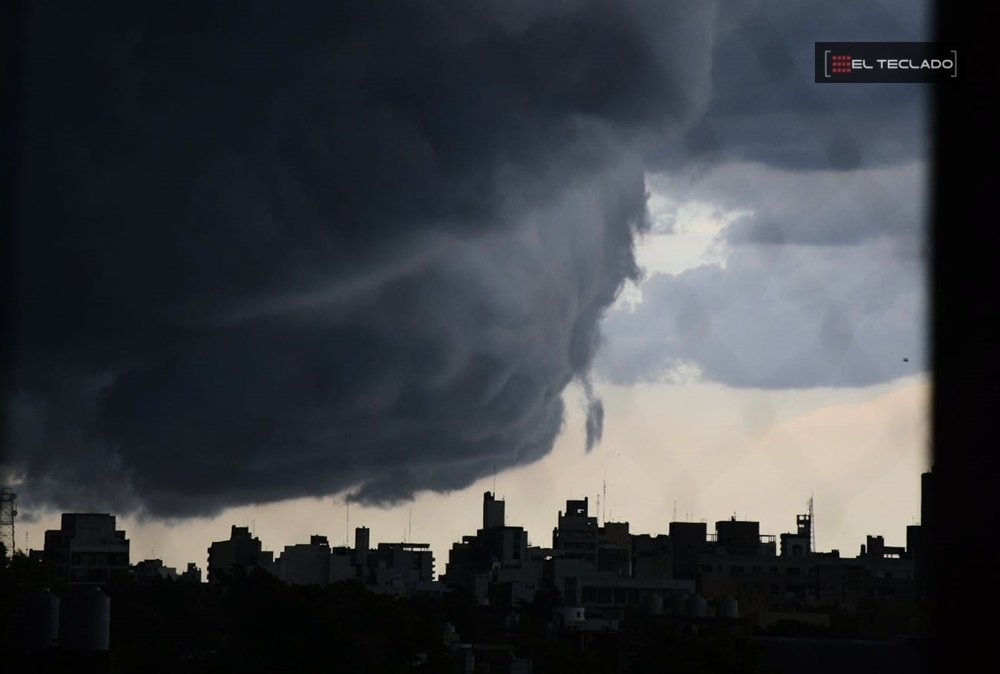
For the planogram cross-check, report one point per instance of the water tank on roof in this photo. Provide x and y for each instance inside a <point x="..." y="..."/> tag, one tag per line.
<point x="39" y="627"/>
<point x="85" y="620"/>
<point x="697" y="606"/>
<point x="727" y="608"/>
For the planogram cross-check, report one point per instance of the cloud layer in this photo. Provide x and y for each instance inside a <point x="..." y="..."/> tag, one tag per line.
<point x="269" y="253"/>
<point x="817" y="196"/>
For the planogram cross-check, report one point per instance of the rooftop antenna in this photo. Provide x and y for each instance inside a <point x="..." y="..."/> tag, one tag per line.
<point x="599" y="520"/>
<point x="605" y="485"/>
<point x="812" y="526"/>
<point x="347" y="525"/>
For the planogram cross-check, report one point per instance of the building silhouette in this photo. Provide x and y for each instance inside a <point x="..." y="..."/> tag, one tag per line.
<point x="153" y="569"/>
<point x="87" y="549"/>
<point x="601" y="572"/>
<point x="496" y="554"/>
<point x="599" y="588"/>
<point x="394" y="568"/>
<point x="304" y="563"/>
<point x="238" y="556"/>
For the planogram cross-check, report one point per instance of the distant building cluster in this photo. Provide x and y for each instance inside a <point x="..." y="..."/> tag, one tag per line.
<point x="595" y="572"/>
<point x="600" y="571"/>
<point x="397" y="568"/>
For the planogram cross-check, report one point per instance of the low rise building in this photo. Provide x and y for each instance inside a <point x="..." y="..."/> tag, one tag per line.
<point x="154" y="569"/>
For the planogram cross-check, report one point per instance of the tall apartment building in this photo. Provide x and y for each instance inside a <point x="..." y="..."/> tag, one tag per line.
<point x="87" y="549"/>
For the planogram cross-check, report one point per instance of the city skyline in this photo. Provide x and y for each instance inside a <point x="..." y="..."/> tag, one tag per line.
<point x="461" y="511"/>
<point x="99" y="529"/>
<point x="593" y="592"/>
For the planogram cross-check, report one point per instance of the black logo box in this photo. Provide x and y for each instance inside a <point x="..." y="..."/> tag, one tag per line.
<point x="836" y="61"/>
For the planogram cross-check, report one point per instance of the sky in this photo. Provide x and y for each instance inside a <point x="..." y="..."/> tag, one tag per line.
<point x="272" y="261"/>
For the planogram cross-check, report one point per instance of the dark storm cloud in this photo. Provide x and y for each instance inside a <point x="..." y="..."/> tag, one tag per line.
<point x="267" y="253"/>
<point x="765" y="106"/>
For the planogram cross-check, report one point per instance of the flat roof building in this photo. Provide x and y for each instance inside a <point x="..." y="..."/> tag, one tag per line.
<point x="87" y="549"/>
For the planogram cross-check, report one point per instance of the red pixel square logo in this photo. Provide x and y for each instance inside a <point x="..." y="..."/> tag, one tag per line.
<point x="840" y="63"/>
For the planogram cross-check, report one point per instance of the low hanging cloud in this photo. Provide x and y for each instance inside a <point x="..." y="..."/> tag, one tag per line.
<point x="273" y="253"/>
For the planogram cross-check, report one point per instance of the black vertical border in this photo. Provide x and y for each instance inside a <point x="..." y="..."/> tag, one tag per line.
<point x="965" y="345"/>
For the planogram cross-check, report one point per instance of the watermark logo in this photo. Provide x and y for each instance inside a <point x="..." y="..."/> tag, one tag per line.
<point x="839" y="63"/>
<point x="842" y="62"/>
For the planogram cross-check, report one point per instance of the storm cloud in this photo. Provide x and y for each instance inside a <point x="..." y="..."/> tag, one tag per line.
<point x="791" y="216"/>
<point x="766" y="108"/>
<point x="272" y="253"/>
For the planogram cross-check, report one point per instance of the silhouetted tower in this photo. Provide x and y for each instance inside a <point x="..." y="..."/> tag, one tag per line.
<point x="804" y="529"/>
<point x="812" y="527"/>
<point x="493" y="511"/>
<point x="603" y="514"/>
<point x="8" y="512"/>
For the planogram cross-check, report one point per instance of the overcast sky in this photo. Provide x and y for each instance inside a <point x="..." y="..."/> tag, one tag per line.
<point x="273" y="260"/>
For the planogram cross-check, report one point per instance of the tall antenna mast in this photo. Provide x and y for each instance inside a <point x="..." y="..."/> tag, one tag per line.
<point x="347" y="525"/>
<point x="812" y="527"/>
<point x="605" y="485"/>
